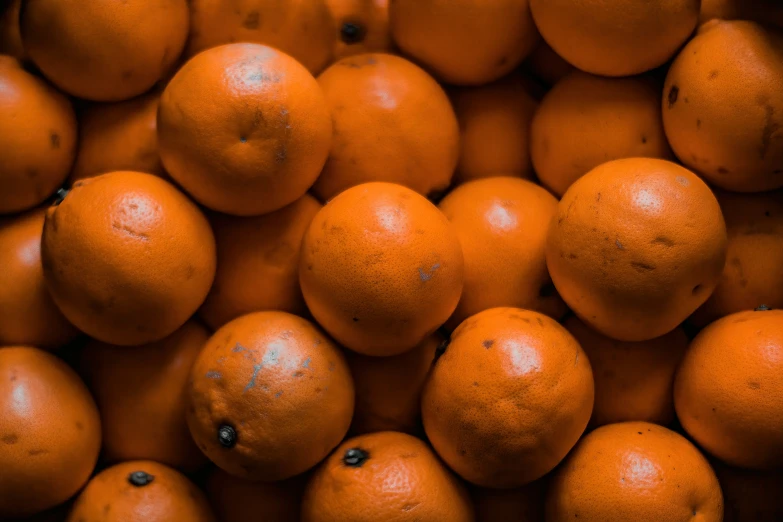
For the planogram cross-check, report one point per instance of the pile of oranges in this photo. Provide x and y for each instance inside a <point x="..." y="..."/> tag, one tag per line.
<point x="391" y="260"/>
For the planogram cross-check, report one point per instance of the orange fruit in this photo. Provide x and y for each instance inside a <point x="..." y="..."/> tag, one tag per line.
<point x="28" y="316"/>
<point x="620" y="38"/>
<point x="244" y="129"/>
<point x="547" y="65"/>
<point x="636" y="246"/>
<point x="269" y="396"/>
<point x="39" y="144"/>
<point x="303" y="29"/>
<point x="140" y="491"/>
<point x="494" y="123"/>
<point x="381" y="268"/>
<point x="634" y="471"/>
<point x="362" y="25"/>
<point x="238" y="500"/>
<point x="258" y="263"/>
<point x="50" y="433"/>
<point x="384" y="476"/>
<point x="502" y="225"/>
<point x="762" y="11"/>
<point x="104" y="51"/>
<point x="464" y="42"/>
<point x="119" y="136"/>
<point x="587" y="120"/>
<point x="127" y="257"/>
<point x="392" y="122"/>
<point x="750" y="494"/>
<point x="633" y="380"/>
<point x="720" y="104"/>
<point x="525" y="504"/>
<point x="510" y="383"/>
<point x="10" y="35"/>
<point x="141" y="395"/>
<point x="728" y="392"/>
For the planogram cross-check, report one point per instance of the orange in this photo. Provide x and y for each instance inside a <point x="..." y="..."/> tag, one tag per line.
<point x="39" y="138"/>
<point x="508" y="399"/>
<point x="494" y="123"/>
<point x="362" y="25"/>
<point x="547" y="65"/>
<point x="141" y="394"/>
<point x="525" y="504"/>
<point x="10" y="36"/>
<point x="722" y="103"/>
<point x="104" y="51"/>
<point x="633" y="380"/>
<point x="50" y="433"/>
<point x="258" y="263"/>
<point x="28" y="316"/>
<point x="381" y="268"/>
<point x="618" y="38"/>
<point x="392" y="122"/>
<point x="140" y="491"/>
<point x="636" y="246"/>
<point x="728" y="392"/>
<point x="634" y="471"/>
<point x="502" y="225"/>
<point x="762" y="11"/>
<point x="244" y="129"/>
<point x="237" y="500"/>
<point x="269" y="396"/>
<point x="127" y="257"/>
<point x="587" y="120"/>
<point x="302" y="28"/>
<point x="751" y="495"/>
<point x="384" y="476"/>
<point x="464" y="42"/>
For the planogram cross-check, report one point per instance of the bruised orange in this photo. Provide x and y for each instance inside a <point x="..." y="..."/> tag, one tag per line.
<point x="238" y="500"/>
<point x="362" y="26"/>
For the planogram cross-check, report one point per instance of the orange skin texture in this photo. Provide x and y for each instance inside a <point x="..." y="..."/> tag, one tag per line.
<point x="762" y="11"/>
<point x="244" y="129"/>
<point x="142" y="396"/>
<point x="237" y="500"/>
<point x="525" y="504"/>
<point x="371" y="17"/>
<point x="729" y="129"/>
<point x="104" y="51"/>
<point x="28" y="316"/>
<point x="634" y="471"/>
<point x="464" y="42"/>
<point x="258" y="263"/>
<point x="49" y="429"/>
<point x="381" y="268"/>
<point x="633" y="380"/>
<point x="502" y="226"/>
<point x="119" y="136"/>
<point x="547" y="65"/>
<point x="281" y="384"/>
<point x="110" y="497"/>
<point x="508" y="399"/>
<point x="636" y="245"/>
<point x="587" y="120"/>
<point x="753" y="274"/>
<point x="38" y="126"/>
<point x="750" y="494"/>
<point x="127" y="257"/>
<point x="728" y="392"/>
<point x="10" y="35"/>
<point x="619" y="38"/>
<point x="392" y="122"/>
<point x="401" y="480"/>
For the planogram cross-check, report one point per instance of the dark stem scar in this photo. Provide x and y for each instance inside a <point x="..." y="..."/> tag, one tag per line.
<point x="674" y="92"/>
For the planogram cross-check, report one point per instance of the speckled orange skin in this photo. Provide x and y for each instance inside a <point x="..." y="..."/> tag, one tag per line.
<point x="633" y="380"/>
<point x="525" y="504"/>
<point x="371" y="33"/>
<point x="636" y="245"/>
<point x="110" y="497"/>
<point x="634" y="471"/>
<point x="587" y="120"/>
<point x="750" y="495"/>
<point x="258" y="263"/>
<point x="401" y="480"/>
<point x="244" y="129"/>
<point x="141" y="394"/>
<point x="127" y="257"/>
<point x="392" y="122"/>
<point x="104" y="51"/>
<point x="620" y="38"/>
<point x="39" y="138"/>
<point x="547" y="65"/>
<point x="728" y="392"/>
<point x="381" y="268"/>
<point x="722" y="103"/>
<point x="464" y="42"/>
<point x="237" y="500"/>
<point x="50" y="433"/>
<point x="10" y="36"/>
<point x="511" y="382"/>
<point x="284" y="388"/>
<point x="762" y="11"/>
<point x="28" y="316"/>
<point x="303" y="29"/>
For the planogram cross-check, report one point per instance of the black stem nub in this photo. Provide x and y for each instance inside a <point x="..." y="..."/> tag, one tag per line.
<point x="762" y="308"/>
<point x="351" y="33"/>
<point x="59" y="196"/>
<point x="140" y="478"/>
<point x="355" y="457"/>
<point x="227" y="436"/>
